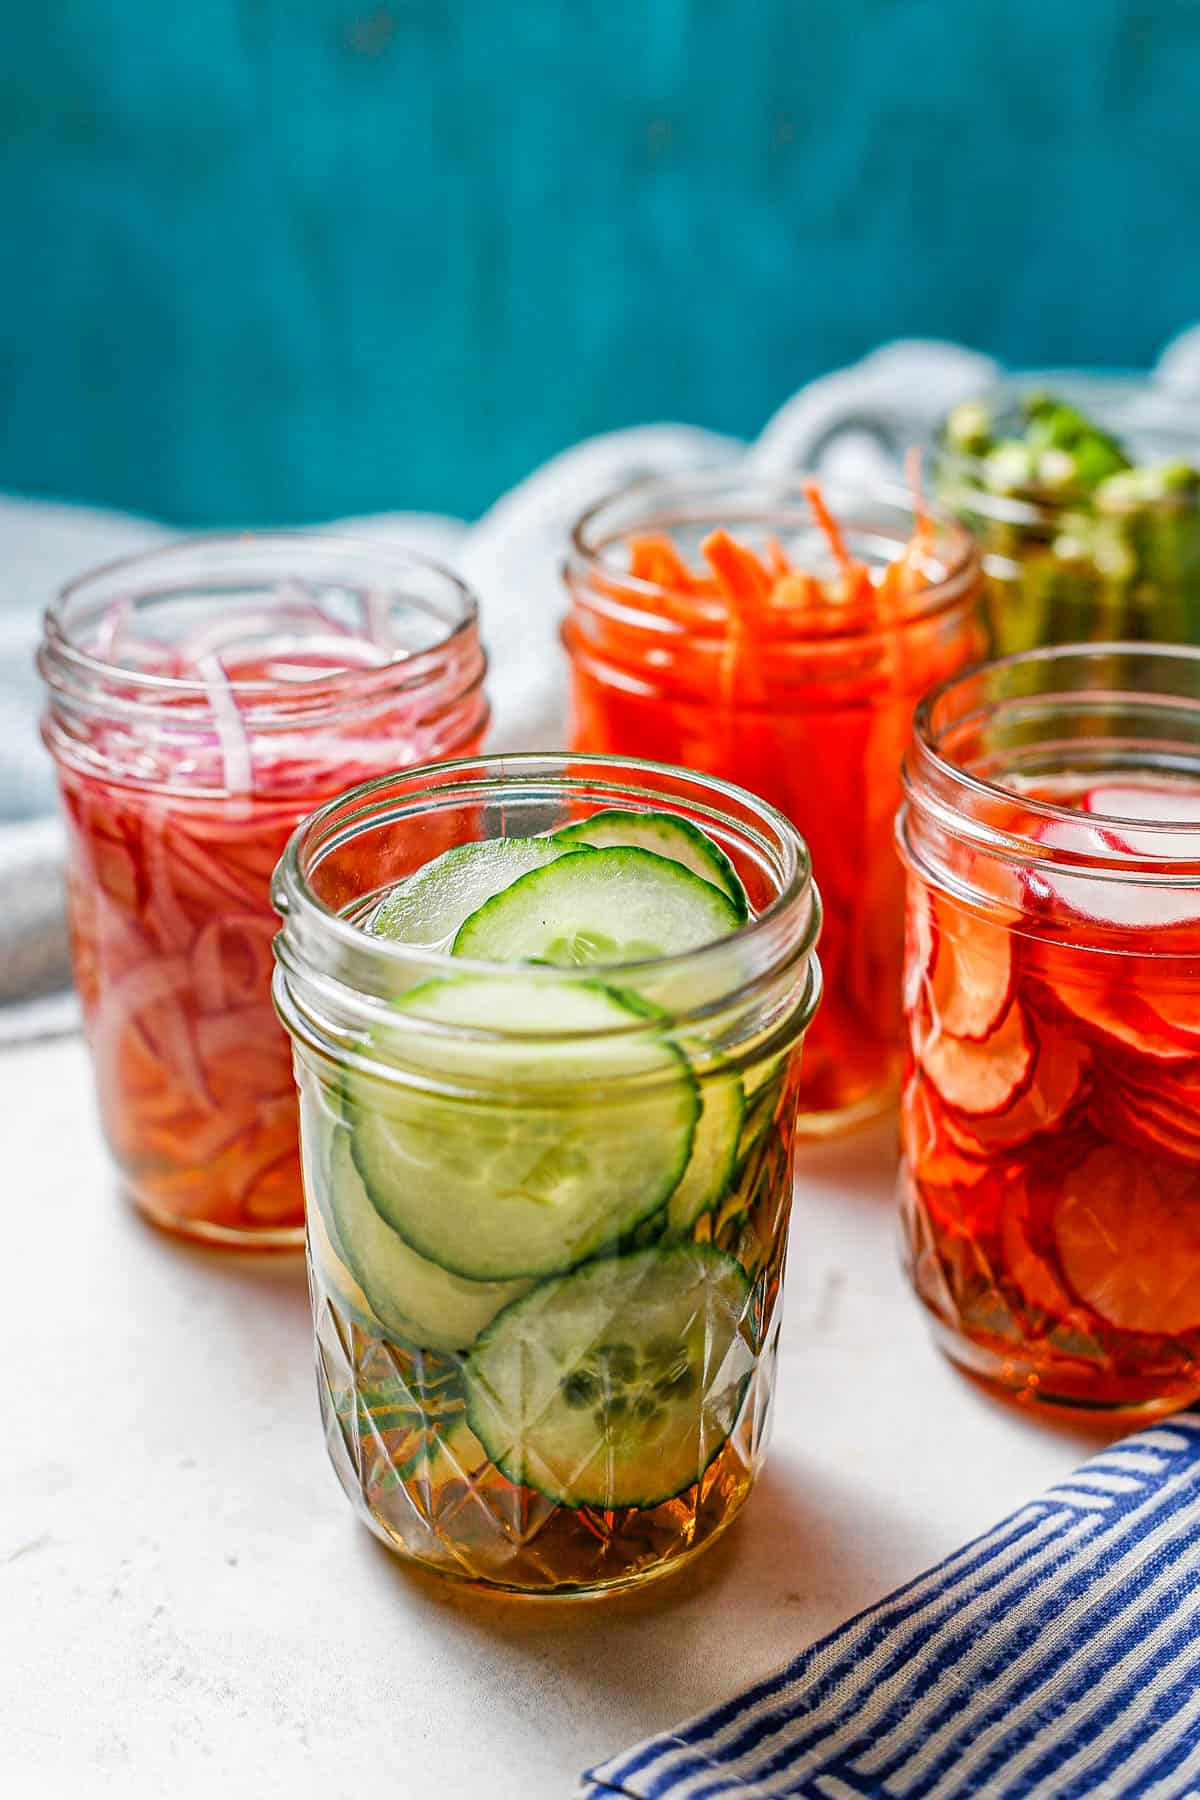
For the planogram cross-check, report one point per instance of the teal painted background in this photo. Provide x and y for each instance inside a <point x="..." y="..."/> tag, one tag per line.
<point x="281" y="259"/>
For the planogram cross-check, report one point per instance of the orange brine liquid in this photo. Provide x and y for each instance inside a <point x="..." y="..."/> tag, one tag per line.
<point x="799" y="687"/>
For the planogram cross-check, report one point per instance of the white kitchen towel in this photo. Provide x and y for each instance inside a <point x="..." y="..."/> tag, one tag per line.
<point x="855" y="420"/>
<point x="1055" y="1658"/>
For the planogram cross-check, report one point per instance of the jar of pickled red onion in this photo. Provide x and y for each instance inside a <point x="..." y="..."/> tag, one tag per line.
<point x="200" y="701"/>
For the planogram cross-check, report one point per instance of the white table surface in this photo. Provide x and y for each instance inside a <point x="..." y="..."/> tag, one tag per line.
<point x="188" y="1607"/>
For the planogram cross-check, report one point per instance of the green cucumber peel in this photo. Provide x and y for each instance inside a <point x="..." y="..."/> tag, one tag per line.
<point x="666" y="834"/>
<point x="610" y="906"/>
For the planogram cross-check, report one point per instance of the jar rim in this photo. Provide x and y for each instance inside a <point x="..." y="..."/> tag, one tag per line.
<point x="1098" y="392"/>
<point x="927" y="760"/>
<point x="293" y="892"/>
<point x="746" y="495"/>
<point x="239" y="551"/>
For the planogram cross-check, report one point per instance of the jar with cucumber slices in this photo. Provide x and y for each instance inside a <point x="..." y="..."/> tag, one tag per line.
<point x="547" y="1085"/>
<point x="1084" y="494"/>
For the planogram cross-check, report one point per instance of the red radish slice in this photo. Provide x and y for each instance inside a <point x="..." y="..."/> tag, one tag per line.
<point x="921" y="1026"/>
<point x="1109" y="897"/>
<point x="982" y="1078"/>
<point x="1025" y="1268"/>
<point x="1154" y="1107"/>
<point x="1168" y="804"/>
<point x="959" y="1130"/>
<point x="1127" y="1231"/>
<point x="1061" y="1072"/>
<point x="932" y="1156"/>
<point x="1177" y="1089"/>
<point x="920" y="942"/>
<point x="971" y="979"/>
<point x="1076" y="836"/>
<point x="1044" y="880"/>
<point x="1139" y="1122"/>
<point x="1124" y="1018"/>
<point x="1179" y="1012"/>
<point x="1163" y="802"/>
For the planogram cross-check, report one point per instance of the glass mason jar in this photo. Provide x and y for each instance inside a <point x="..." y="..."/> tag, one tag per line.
<point x="200" y="700"/>
<point x="1083" y="492"/>
<point x="810" y="709"/>
<point x="547" y="1221"/>
<point x="1051" y="1114"/>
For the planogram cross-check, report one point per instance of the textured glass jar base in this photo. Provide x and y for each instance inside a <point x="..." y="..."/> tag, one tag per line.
<point x="1037" y="1385"/>
<point x="712" y="1520"/>
<point x="445" y="1507"/>
<point x="199" y="1230"/>
<point x="987" y="1325"/>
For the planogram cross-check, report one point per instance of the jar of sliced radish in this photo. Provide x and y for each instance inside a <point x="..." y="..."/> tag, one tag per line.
<point x="200" y="701"/>
<point x="1051" y="1113"/>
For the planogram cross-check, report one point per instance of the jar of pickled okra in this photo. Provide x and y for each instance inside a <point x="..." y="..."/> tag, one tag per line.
<point x="200" y="700"/>
<point x="778" y="637"/>
<point x="1084" y="494"/>
<point x="1051" y="1183"/>
<point x="547" y="1083"/>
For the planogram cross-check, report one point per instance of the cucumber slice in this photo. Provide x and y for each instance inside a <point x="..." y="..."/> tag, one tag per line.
<point x="714" y="1152"/>
<point x="331" y="1263"/>
<point x="615" y="1385"/>
<point x="599" y="906"/>
<point x="413" y="1299"/>
<point x="760" y="1073"/>
<point x="667" y="835"/>
<point x="757" y="1121"/>
<point x="498" y="1188"/>
<point x="430" y="906"/>
<point x="318" y="1138"/>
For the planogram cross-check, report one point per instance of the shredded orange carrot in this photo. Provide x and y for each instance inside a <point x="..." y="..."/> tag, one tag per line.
<point x="925" y="534"/>
<point x="756" y="602"/>
<point x="777" y="561"/>
<point x="755" y="588"/>
<point x="829" y="525"/>
<point x="746" y="586"/>
<point x="795" y="592"/>
<point x="856" y="577"/>
<point x="907" y="575"/>
<point x="894" y="584"/>
<point x="740" y="576"/>
<point x="656" y="560"/>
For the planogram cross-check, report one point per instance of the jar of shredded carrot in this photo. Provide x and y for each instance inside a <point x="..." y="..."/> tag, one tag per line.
<point x="780" y="636"/>
<point x="201" y="700"/>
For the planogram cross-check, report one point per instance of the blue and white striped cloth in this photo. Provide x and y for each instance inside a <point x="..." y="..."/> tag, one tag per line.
<point x="1056" y="1657"/>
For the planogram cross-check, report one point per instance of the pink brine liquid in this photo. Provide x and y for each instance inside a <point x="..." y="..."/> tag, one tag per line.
<point x="172" y="843"/>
